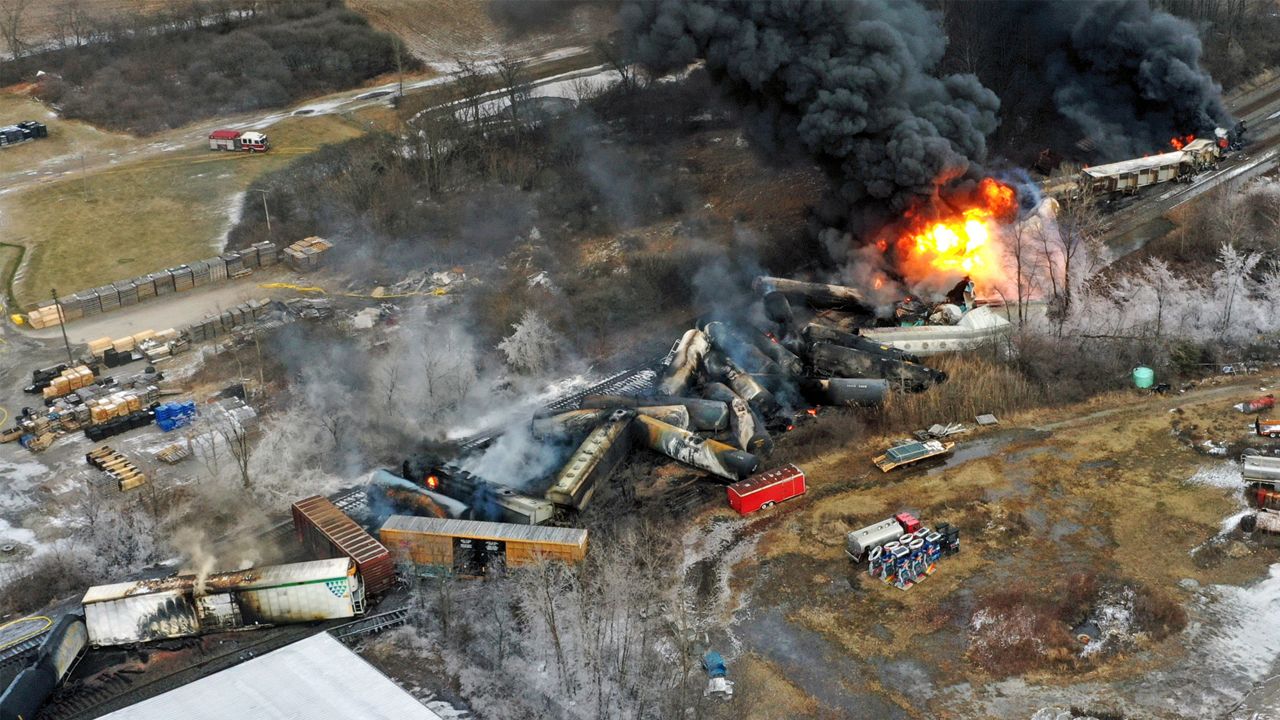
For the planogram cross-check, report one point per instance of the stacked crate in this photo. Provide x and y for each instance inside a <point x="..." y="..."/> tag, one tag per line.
<point x="181" y="278"/>
<point x="69" y="381"/>
<point x="47" y="315"/>
<point x="199" y="273"/>
<point x="307" y="254"/>
<point x="146" y="287"/>
<point x="108" y="298"/>
<point x="235" y="265"/>
<point x="266" y="253"/>
<point x="249" y="257"/>
<point x="72" y="308"/>
<point x="89" y="304"/>
<point x="127" y="292"/>
<point x="111" y="462"/>
<point x="163" y="281"/>
<point x="217" y="269"/>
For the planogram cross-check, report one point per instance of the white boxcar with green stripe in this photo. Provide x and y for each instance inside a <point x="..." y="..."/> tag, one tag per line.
<point x="183" y="605"/>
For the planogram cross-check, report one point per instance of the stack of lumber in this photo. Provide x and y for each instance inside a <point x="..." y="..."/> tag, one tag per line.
<point x="111" y="462"/>
<point x="307" y="254"/>
<point x="68" y="381"/>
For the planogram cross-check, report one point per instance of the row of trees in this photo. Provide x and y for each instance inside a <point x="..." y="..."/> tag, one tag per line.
<point x="144" y="73"/>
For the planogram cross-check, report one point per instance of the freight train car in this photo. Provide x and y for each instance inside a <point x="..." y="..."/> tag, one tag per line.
<point x="57" y="656"/>
<point x="327" y="532"/>
<point x="473" y="548"/>
<point x="184" y="605"/>
<point x="593" y="461"/>
<point x="1130" y="176"/>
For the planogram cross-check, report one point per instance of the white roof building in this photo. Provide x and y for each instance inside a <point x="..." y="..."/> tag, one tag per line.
<point x="313" y="678"/>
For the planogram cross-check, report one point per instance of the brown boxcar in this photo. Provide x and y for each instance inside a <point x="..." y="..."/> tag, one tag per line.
<point x="471" y="547"/>
<point x="327" y="532"/>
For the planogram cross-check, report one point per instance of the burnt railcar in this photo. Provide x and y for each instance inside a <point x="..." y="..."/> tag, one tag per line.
<point x="474" y="548"/>
<point x="184" y="605"/>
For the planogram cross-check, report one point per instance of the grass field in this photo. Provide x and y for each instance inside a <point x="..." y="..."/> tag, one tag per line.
<point x="146" y="215"/>
<point x="66" y="137"/>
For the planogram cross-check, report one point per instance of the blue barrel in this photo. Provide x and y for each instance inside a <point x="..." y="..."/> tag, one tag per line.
<point x="1143" y="377"/>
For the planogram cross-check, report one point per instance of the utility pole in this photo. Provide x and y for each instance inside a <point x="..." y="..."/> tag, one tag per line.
<point x="265" y="211"/>
<point x="62" y="325"/>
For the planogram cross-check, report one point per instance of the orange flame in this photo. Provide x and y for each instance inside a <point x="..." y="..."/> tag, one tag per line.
<point x="433" y="482"/>
<point x="959" y="240"/>
<point x="1180" y="142"/>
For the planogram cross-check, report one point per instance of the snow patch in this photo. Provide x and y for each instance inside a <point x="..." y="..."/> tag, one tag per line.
<point x="1222" y="475"/>
<point x="1242" y="639"/>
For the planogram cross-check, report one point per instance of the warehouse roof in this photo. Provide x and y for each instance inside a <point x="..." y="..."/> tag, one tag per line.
<point x="1125" y="167"/>
<point x="313" y="678"/>
<point x="267" y="576"/>
<point x="486" y="530"/>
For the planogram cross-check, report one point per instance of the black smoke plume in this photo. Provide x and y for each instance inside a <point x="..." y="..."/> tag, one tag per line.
<point x="851" y="84"/>
<point x="1125" y="76"/>
<point x="1129" y="76"/>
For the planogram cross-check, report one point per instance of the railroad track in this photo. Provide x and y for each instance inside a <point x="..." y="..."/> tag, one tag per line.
<point x="122" y="689"/>
<point x="371" y="624"/>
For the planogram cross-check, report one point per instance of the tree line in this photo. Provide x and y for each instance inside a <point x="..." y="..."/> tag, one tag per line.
<point x="145" y="73"/>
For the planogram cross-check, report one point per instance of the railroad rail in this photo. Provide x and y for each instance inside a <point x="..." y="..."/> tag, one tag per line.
<point x="371" y="624"/>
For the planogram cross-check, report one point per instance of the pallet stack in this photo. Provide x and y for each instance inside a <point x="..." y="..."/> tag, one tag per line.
<point x="49" y="315"/>
<point x="307" y="254"/>
<point x="111" y="462"/>
<point x="69" y="381"/>
<point x="127" y="292"/>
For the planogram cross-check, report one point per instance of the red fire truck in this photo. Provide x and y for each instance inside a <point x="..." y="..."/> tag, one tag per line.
<point x="764" y="489"/>
<point x="236" y="140"/>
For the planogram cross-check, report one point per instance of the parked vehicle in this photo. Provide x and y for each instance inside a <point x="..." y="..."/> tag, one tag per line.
<point x="235" y="140"/>
<point x="717" y="682"/>
<point x="763" y="490"/>
<point x="858" y="542"/>
<point x="1267" y="427"/>
<point x="23" y="131"/>
<point x="910" y="453"/>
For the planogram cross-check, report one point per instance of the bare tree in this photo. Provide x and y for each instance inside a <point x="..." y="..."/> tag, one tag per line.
<point x="13" y="15"/>
<point x="472" y="83"/>
<point x="513" y="76"/>
<point x="613" y="55"/>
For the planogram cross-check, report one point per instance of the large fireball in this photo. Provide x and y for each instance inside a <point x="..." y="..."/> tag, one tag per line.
<point x="957" y="237"/>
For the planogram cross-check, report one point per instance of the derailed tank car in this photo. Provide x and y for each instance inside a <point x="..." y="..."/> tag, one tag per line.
<point x="471" y="547"/>
<point x="58" y="654"/>
<point x="183" y="605"/>
<point x="595" y="459"/>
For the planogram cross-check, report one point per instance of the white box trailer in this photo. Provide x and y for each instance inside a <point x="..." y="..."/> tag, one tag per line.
<point x="183" y="605"/>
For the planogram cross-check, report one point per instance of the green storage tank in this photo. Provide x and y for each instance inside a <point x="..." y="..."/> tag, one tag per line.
<point x="1143" y="377"/>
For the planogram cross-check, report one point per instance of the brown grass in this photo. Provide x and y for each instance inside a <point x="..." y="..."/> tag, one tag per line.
<point x="974" y="386"/>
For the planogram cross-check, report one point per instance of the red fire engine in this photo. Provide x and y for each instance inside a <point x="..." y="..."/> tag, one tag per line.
<point x="764" y="489"/>
<point x="236" y="140"/>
